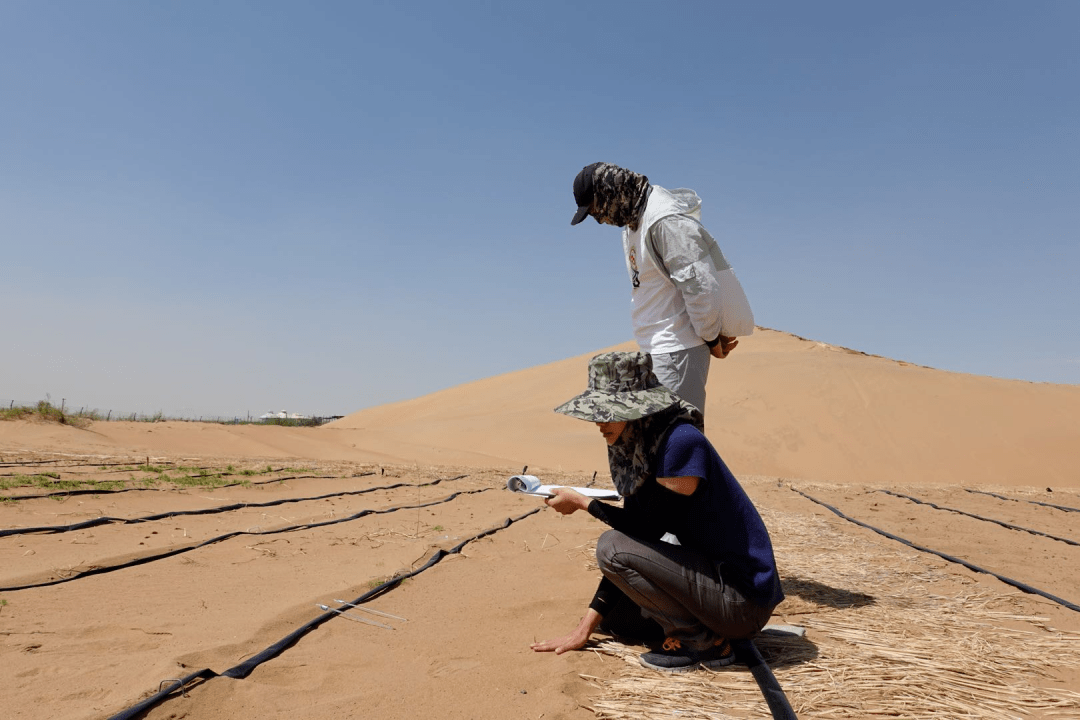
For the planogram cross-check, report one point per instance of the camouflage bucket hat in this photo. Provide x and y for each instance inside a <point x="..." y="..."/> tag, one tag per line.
<point x="622" y="386"/>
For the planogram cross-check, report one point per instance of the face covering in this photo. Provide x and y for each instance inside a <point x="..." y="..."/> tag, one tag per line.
<point x="619" y="195"/>
<point x="633" y="458"/>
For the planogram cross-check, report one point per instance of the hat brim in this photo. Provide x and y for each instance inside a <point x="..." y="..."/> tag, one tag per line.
<point x="581" y="214"/>
<point x="597" y="406"/>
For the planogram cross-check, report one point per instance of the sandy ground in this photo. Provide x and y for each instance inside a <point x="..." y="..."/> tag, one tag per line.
<point x="247" y="529"/>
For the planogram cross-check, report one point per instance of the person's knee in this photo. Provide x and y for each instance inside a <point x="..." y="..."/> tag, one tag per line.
<point x="606" y="550"/>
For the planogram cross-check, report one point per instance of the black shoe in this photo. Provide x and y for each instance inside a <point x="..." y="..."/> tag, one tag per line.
<point x="718" y="656"/>
<point x="672" y="657"/>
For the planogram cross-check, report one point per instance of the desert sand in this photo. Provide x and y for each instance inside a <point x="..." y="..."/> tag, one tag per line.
<point x="135" y="555"/>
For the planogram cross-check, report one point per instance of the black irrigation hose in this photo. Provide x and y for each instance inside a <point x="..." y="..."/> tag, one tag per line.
<point x="980" y="517"/>
<point x="951" y="558"/>
<point x="106" y="520"/>
<point x="1033" y="502"/>
<point x="747" y="653"/>
<point x="178" y="551"/>
<point x="82" y="465"/>
<point x="60" y="460"/>
<point x="28" y="462"/>
<point x="245" y="668"/>
<point x="98" y="471"/>
<point x="87" y="491"/>
<point x="92" y="491"/>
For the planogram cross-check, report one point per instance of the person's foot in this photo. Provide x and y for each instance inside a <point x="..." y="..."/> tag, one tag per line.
<point x="672" y="657"/>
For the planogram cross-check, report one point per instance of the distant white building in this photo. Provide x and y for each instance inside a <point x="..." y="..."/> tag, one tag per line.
<point x="282" y="415"/>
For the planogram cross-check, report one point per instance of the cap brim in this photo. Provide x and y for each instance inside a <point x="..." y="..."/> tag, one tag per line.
<point x="581" y="214"/>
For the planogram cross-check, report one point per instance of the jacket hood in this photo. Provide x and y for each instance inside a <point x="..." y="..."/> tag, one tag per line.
<point x="664" y="202"/>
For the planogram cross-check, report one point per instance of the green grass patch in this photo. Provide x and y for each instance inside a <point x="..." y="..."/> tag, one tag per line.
<point x="52" y="482"/>
<point x="181" y="476"/>
<point x="202" y="481"/>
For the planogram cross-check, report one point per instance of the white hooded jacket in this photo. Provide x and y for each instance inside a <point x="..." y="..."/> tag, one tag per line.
<point x="684" y="291"/>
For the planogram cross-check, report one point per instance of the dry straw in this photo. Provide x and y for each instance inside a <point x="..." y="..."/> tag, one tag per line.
<point x="889" y="635"/>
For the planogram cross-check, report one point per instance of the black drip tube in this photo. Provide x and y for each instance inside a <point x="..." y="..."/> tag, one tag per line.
<point x="93" y="491"/>
<point x="177" y="551"/>
<point x="951" y="558"/>
<point x="245" y="668"/>
<point x="747" y="653"/>
<point x="105" y="520"/>
<point x="1065" y="508"/>
<point x="980" y="517"/>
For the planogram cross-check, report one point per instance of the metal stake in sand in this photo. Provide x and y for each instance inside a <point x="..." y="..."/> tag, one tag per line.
<point x="354" y="617"/>
<point x="367" y="609"/>
<point x="178" y="681"/>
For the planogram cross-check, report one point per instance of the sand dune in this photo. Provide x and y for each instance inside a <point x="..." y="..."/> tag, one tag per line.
<point x="779" y="405"/>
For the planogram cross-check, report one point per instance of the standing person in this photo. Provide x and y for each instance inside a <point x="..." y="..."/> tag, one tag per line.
<point x="686" y="303"/>
<point x="720" y="582"/>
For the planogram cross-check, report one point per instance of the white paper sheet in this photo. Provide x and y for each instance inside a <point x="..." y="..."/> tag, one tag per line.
<point x="531" y="485"/>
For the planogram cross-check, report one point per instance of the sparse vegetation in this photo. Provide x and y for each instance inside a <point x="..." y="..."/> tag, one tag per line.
<point x="45" y="411"/>
<point x="186" y="477"/>
<point x="139" y="475"/>
<point x="396" y="577"/>
<point x="293" y="422"/>
<point x="52" y="481"/>
<point x="204" y="481"/>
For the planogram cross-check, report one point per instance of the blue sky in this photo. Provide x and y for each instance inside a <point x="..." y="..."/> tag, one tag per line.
<point x="223" y="208"/>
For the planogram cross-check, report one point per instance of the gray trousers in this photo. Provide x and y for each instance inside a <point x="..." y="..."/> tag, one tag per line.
<point x="680" y="589"/>
<point x="684" y="373"/>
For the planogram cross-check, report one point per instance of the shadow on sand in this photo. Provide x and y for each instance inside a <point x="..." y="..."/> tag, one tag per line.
<point x="814" y="592"/>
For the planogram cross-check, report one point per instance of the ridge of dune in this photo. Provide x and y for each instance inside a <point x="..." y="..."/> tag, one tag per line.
<point x="780" y="405"/>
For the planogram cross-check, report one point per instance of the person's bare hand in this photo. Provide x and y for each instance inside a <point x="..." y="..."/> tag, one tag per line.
<point x="566" y="501"/>
<point x="723" y="348"/>
<point x="571" y="641"/>
<point x="574" y="640"/>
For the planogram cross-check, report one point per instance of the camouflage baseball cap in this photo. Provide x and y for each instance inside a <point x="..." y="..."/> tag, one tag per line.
<point x="622" y="386"/>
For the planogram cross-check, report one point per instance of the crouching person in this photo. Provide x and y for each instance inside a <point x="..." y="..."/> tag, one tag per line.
<point x="718" y="580"/>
